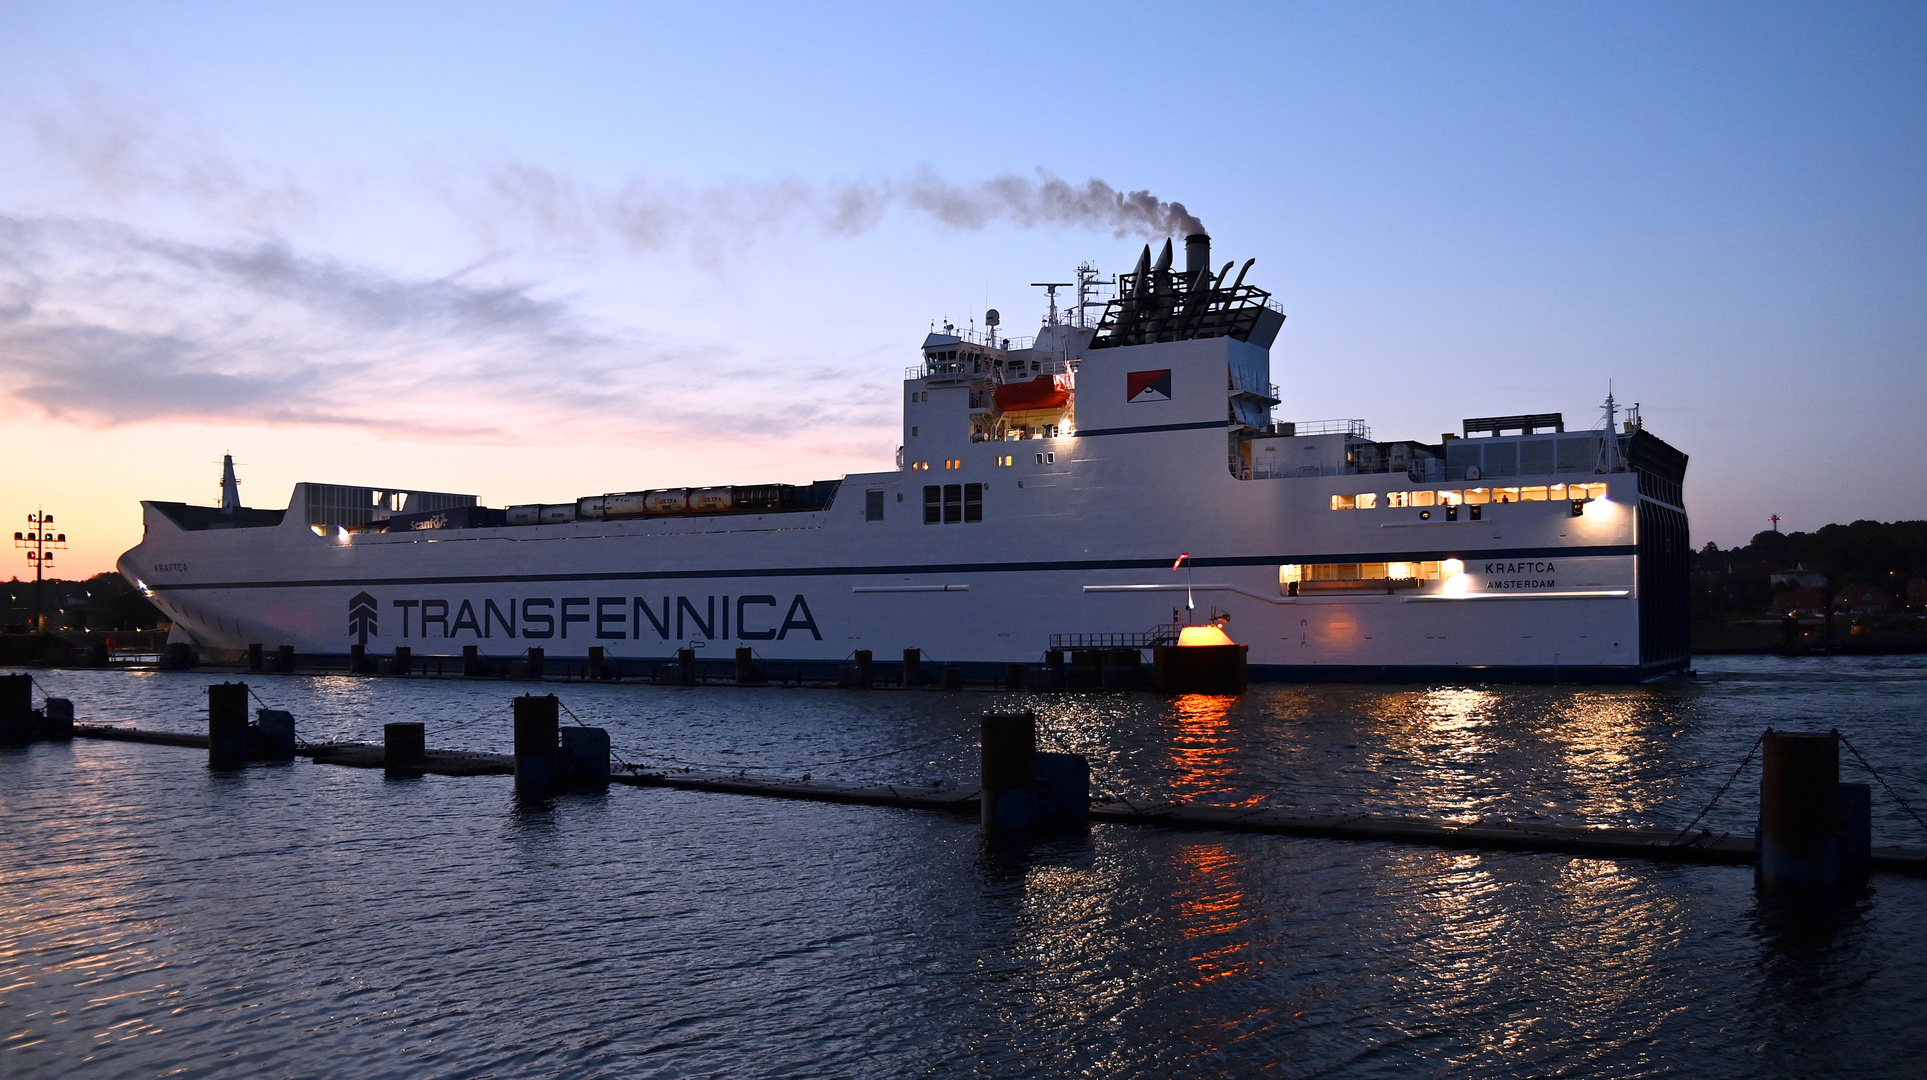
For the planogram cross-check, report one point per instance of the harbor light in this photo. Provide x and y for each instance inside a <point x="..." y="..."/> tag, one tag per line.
<point x="1599" y="509"/>
<point x="1208" y="634"/>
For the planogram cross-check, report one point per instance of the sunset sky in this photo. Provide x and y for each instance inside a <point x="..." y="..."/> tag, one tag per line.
<point x="533" y="252"/>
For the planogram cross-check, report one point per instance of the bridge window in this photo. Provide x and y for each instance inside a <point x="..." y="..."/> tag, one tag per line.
<point x="948" y="504"/>
<point x="873" y="506"/>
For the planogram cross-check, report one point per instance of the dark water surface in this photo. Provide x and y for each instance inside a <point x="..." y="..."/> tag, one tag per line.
<point x="313" y="921"/>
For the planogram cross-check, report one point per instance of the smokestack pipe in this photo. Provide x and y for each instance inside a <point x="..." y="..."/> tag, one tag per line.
<point x="1197" y="255"/>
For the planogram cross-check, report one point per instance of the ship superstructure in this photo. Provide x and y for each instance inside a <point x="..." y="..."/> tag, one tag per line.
<point x="1043" y="491"/>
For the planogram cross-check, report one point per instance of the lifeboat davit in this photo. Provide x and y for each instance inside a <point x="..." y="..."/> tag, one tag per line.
<point x="1040" y="393"/>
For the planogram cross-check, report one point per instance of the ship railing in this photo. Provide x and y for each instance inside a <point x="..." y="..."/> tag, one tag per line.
<point x="1162" y="634"/>
<point x="989" y="339"/>
<point x="959" y="369"/>
<point x="1353" y="427"/>
<point x="1292" y="472"/>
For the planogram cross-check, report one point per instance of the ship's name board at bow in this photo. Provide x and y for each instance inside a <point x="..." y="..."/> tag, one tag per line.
<point x="756" y="617"/>
<point x="1530" y="574"/>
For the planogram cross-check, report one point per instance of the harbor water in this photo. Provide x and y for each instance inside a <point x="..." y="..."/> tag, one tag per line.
<point x="315" y="921"/>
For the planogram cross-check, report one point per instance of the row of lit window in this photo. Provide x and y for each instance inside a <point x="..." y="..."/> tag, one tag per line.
<point x="1369" y="500"/>
<point x="1003" y="461"/>
<point x="1371" y="571"/>
<point x="1298" y="579"/>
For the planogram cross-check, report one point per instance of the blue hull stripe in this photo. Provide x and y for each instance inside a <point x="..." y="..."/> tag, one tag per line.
<point x="1439" y="674"/>
<point x="1161" y="563"/>
<point x="1086" y="433"/>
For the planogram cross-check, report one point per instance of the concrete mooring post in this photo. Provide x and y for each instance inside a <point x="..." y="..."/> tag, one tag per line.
<point x="538" y="745"/>
<point x="1023" y="788"/>
<point x="284" y="660"/>
<point x="17" y="721"/>
<point x="686" y="666"/>
<point x="404" y="746"/>
<point x="585" y="758"/>
<point x="404" y="660"/>
<point x="357" y="659"/>
<point x="952" y="677"/>
<point x="1815" y="833"/>
<point x="57" y="720"/>
<point x="471" y="661"/>
<point x="1008" y="772"/>
<point x="745" y="666"/>
<point x="254" y="656"/>
<point x="538" y="662"/>
<point x="1199" y="669"/>
<point x="227" y="724"/>
<point x="913" y="667"/>
<point x="273" y="736"/>
<point x="866" y="668"/>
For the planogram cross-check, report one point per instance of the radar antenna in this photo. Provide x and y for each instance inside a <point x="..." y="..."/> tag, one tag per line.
<point x="1050" y="288"/>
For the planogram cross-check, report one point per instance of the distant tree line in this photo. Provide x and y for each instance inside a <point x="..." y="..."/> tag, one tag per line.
<point x="102" y="602"/>
<point x="1886" y="555"/>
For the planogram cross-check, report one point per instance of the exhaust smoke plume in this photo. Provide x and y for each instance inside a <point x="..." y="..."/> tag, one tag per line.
<point x="649" y="216"/>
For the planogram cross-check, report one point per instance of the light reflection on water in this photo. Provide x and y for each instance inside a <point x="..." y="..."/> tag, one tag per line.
<point x="313" y="921"/>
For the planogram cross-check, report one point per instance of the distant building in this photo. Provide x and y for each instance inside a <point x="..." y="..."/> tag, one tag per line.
<point x="1917" y="593"/>
<point x="1798" y="578"/>
<point x="1861" y="600"/>
<point x="1800" y="602"/>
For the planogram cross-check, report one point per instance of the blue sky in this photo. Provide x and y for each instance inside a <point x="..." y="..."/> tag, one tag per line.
<point x="538" y="251"/>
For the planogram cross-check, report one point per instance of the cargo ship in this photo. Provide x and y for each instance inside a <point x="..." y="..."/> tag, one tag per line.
<point x="1103" y="484"/>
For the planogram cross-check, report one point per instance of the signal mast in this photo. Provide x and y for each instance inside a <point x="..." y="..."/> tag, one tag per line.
<point x="40" y="545"/>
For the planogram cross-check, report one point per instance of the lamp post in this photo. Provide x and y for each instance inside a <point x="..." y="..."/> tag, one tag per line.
<point x="40" y="545"/>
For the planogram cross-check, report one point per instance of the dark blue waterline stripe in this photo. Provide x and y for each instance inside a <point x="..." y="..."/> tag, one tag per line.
<point x="1085" y="433"/>
<point x="926" y="568"/>
<point x="1454" y="674"/>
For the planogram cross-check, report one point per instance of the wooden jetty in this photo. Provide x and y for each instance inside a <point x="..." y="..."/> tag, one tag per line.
<point x="906" y="796"/>
<point x="359" y="755"/>
<point x="1660" y="845"/>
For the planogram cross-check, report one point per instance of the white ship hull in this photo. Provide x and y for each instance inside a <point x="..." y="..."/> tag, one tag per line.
<point x="1076" y="535"/>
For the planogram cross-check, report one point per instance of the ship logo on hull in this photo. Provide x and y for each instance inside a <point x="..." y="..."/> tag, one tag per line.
<point x="361" y="617"/>
<point x="761" y="617"/>
<point x="1148" y="385"/>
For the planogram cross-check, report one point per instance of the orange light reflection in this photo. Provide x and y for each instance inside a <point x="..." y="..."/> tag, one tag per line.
<point x="1210" y="907"/>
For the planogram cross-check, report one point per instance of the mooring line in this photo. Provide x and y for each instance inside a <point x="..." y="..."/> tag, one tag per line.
<point x="1883" y="781"/>
<point x="1722" y="791"/>
<point x="739" y="767"/>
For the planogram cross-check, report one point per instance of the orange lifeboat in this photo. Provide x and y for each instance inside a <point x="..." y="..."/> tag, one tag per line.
<point x="1039" y="393"/>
